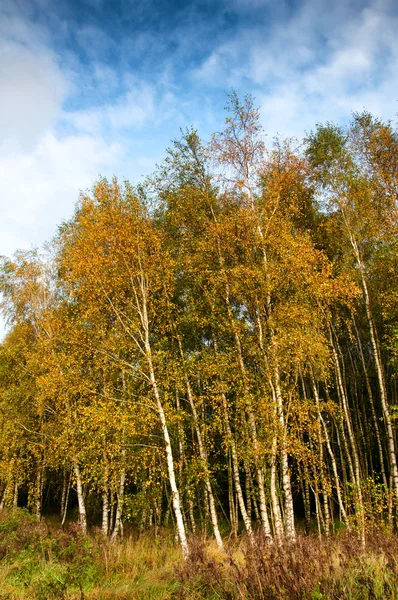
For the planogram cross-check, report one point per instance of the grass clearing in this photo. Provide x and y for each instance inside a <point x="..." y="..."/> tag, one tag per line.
<point x="39" y="561"/>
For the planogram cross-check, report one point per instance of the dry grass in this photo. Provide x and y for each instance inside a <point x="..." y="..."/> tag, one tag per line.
<point x="312" y="568"/>
<point x="42" y="562"/>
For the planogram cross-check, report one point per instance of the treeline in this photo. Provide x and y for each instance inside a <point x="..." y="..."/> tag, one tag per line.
<point x="216" y="347"/>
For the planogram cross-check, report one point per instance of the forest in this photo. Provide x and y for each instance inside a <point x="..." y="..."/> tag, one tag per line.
<point x="214" y="351"/>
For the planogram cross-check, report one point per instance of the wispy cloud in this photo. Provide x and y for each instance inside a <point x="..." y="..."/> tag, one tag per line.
<point x="32" y="90"/>
<point x="90" y="86"/>
<point x="131" y="109"/>
<point x="96" y="90"/>
<point x="320" y="61"/>
<point x="52" y="146"/>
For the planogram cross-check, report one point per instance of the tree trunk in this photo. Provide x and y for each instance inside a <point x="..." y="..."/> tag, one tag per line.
<point x="335" y="471"/>
<point x="202" y="451"/>
<point x="176" y="500"/>
<point x="80" y="498"/>
<point x="105" y="510"/>
<point x="307" y="499"/>
<point x="39" y="491"/>
<point x="232" y="517"/>
<point x="287" y="488"/>
<point x="118" y="528"/>
<point x="252" y="422"/>
<point x="278" y="527"/>
<point x="378" y="364"/>
<point x="235" y="470"/>
<point x="65" y="497"/>
<point x="372" y="404"/>
<point x="357" y="473"/>
<point x="3" y="497"/>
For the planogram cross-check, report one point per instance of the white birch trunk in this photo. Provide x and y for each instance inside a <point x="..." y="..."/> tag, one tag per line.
<point x="378" y="363"/>
<point x="287" y="488"/>
<point x="171" y="471"/>
<point x="118" y="528"/>
<point x="39" y="492"/>
<point x="142" y="309"/>
<point x="253" y="428"/>
<point x="353" y="445"/>
<point x="3" y="496"/>
<point x="260" y="478"/>
<point x="105" y="511"/>
<point x="65" y="498"/>
<point x="202" y="453"/>
<point x="278" y="526"/>
<point x="235" y="471"/>
<point x="232" y="518"/>
<point x="169" y="454"/>
<point x="80" y="498"/>
<point x="332" y="457"/>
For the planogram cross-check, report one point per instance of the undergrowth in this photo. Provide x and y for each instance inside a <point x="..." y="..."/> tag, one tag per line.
<point x="40" y="561"/>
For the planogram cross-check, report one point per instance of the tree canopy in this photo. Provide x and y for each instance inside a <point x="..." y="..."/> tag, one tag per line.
<point x="216" y="347"/>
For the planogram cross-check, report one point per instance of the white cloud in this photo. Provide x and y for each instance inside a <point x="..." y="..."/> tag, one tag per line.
<point x="224" y="64"/>
<point x="318" y="62"/>
<point x="32" y="90"/>
<point x="131" y="109"/>
<point x="49" y="154"/>
<point x="39" y="188"/>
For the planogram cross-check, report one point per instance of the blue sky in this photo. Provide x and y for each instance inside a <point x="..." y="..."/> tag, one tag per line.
<point x="93" y="87"/>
